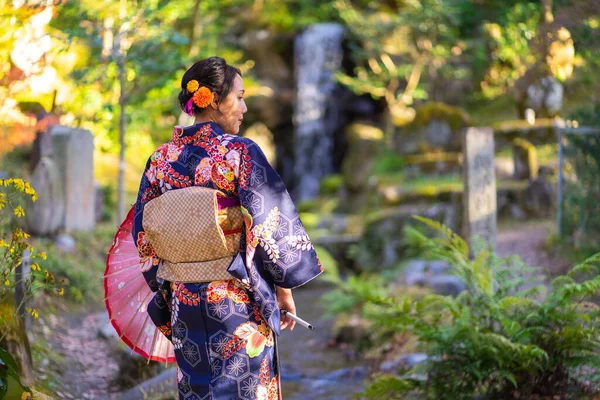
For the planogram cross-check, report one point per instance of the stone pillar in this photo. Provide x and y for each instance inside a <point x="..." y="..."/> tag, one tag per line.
<point x="74" y="156"/>
<point x="480" y="185"/>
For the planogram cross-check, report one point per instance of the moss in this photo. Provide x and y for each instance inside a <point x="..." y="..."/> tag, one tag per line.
<point x="363" y="131"/>
<point x="522" y="126"/>
<point x="330" y="184"/>
<point x="456" y="117"/>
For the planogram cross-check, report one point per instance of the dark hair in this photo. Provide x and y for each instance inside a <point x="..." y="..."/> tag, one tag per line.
<point x="212" y="72"/>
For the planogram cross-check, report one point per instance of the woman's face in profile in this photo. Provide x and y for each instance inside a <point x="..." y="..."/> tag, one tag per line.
<point x="233" y="108"/>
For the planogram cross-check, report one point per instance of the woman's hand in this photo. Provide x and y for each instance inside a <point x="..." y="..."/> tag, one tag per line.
<point x="286" y="302"/>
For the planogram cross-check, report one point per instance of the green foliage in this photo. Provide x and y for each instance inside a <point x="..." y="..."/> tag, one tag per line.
<point x="580" y="222"/>
<point x="500" y="334"/>
<point x="9" y="376"/>
<point x="13" y="244"/>
<point x="388" y="162"/>
<point x="400" y="51"/>
<point x="330" y="184"/>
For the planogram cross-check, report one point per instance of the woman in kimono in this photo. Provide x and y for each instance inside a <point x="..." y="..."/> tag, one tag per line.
<point x="224" y="331"/>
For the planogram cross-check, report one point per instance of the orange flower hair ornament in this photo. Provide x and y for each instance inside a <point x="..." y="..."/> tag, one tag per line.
<point x="202" y="96"/>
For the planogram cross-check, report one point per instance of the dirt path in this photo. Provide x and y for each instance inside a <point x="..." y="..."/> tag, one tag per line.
<point x="88" y="364"/>
<point x="528" y="241"/>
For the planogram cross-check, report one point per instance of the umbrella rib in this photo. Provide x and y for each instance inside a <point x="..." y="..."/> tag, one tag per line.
<point x="119" y="290"/>
<point x="137" y="311"/>
<point x="135" y="344"/>
<point x="152" y="347"/>
<point x="122" y="270"/>
<point x="126" y="303"/>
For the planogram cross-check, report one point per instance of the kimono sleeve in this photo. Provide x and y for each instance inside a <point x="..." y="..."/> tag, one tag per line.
<point x="149" y="262"/>
<point x="276" y="240"/>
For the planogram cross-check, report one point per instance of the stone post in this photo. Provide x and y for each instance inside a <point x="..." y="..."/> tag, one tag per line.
<point x="480" y="185"/>
<point x="74" y="155"/>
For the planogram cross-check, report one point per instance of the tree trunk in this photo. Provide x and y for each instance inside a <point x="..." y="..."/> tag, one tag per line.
<point x="122" y="127"/>
<point x="195" y="31"/>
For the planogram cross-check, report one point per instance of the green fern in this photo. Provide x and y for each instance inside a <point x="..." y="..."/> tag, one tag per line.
<point x="505" y="331"/>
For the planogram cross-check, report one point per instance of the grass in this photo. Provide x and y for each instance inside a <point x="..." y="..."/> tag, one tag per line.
<point x="84" y="268"/>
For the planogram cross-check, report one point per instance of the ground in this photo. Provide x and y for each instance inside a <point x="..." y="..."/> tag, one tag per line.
<point x="89" y="363"/>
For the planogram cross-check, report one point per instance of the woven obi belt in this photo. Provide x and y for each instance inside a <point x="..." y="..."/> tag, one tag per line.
<point x="196" y="231"/>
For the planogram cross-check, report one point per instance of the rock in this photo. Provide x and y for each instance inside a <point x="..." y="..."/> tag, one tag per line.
<point x="65" y="243"/>
<point x="351" y="330"/>
<point x="420" y="272"/>
<point x="505" y="168"/>
<point x="162" y="386"/>
<point x="436" y="126"/>
<point x="74" y="156"/>
<point x="545" y="96"/>
<point x="45" y="216"/>
<point x="105" y="328"/>
<point x="405" y="362"/>
<point x="340" y="376"/>
<point x="357" y="167"/>
<point x="515" y="211"/>
<point x="338" y="245"/>
<point x="363" y="143"/>
<point x="446" y="285"/>
<point x="538" y="199"/>
<point x="42" y="147"/>
<point x="381" y="244"/>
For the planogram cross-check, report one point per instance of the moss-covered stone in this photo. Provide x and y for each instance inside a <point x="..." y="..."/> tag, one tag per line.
<point x="357" y="168"/>
<point x="330" y="184"/>
<point x="437" y="126"/>
<point x="456" y="117"/>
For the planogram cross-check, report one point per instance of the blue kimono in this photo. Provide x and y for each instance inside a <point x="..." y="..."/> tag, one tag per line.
<point x="224" y="331"/>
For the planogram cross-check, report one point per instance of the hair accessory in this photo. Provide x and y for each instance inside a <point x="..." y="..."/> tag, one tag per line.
<point x="192" y="86"/>
<point x="202" y="97"/>
<point x="189" y="107"/>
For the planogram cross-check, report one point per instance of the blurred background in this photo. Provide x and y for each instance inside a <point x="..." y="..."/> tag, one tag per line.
<point x="362" y="107"/>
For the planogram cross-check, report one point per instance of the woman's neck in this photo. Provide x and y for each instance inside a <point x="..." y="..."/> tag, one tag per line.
<point x="204" y="117"/>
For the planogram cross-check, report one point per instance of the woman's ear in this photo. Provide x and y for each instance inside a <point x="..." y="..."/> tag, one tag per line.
<point x="215" y="101"/>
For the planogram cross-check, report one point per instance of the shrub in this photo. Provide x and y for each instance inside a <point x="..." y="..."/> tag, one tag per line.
<point x="504" y="333"/>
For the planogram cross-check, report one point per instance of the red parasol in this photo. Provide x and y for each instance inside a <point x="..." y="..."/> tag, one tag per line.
<point x="127" y="295"/>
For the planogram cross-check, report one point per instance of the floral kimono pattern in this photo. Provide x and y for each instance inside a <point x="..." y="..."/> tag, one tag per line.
<point x="224" y="332"/>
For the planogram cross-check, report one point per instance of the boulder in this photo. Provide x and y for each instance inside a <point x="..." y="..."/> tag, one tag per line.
<point x="45" y="216"/>
<point x="364" y="141"/>
<point x="539" y="199"/>
<point x="436" y="127"/>
<point x="65" y="243"/>
<point x="404" y="362"/>
<point x="381" y="245"/>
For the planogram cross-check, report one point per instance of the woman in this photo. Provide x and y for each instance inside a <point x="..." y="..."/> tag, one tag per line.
<point x="224" y="331"/>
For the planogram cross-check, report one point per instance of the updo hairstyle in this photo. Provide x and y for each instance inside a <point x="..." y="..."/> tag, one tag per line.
<point x="212" y="72"/>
